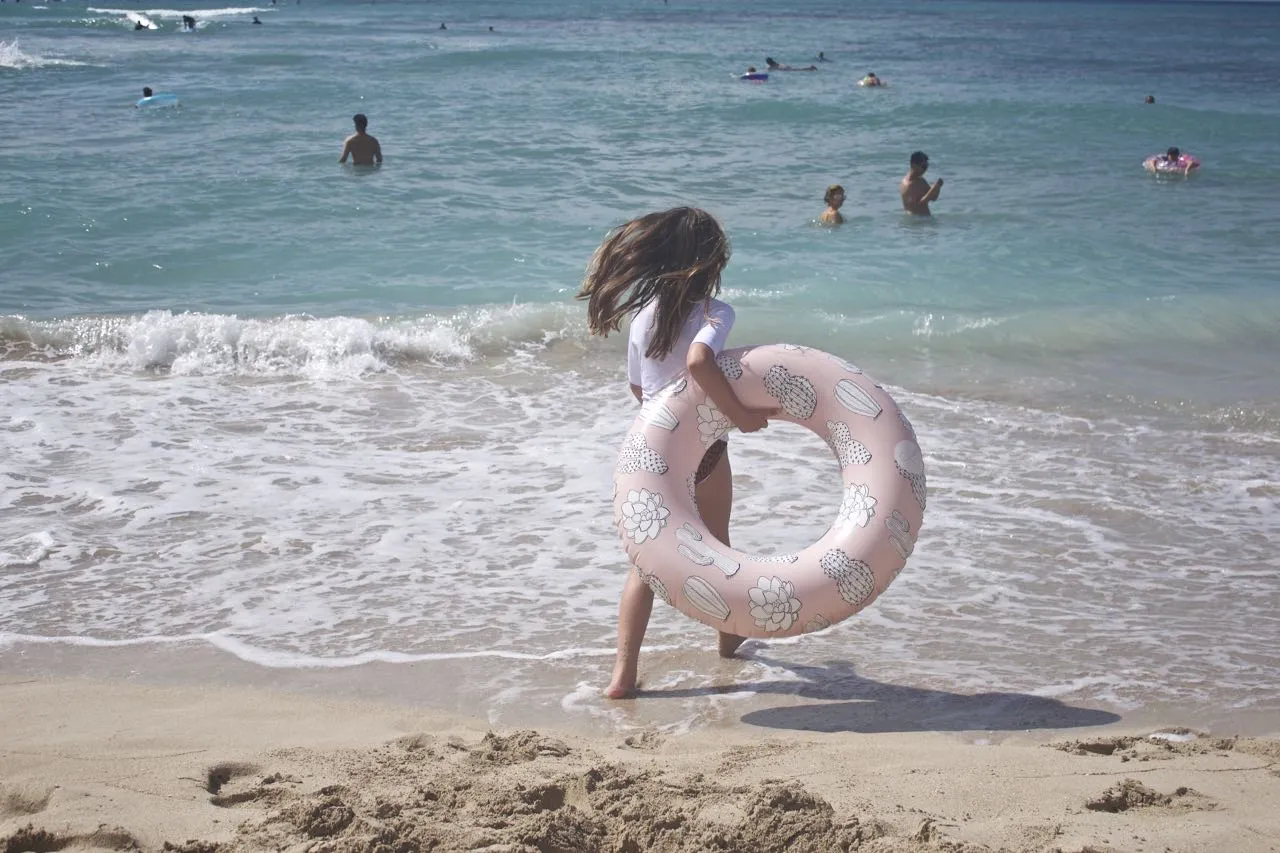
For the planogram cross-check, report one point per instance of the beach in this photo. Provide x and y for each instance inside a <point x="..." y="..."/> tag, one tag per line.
<point x="112" y="766"/>
<point x="306" y="537"/>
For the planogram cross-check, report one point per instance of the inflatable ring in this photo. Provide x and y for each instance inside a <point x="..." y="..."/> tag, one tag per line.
<point x="882" y="471"/>
<point x="1184" y="165"/>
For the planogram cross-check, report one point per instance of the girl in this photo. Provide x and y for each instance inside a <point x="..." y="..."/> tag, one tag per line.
<point x="834" y="198"/>
<point x="664" y="268"/>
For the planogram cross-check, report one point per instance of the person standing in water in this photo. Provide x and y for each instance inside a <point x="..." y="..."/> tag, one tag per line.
<point x="663" y="270"/>
<point x="915" y="190"/>
<point x="834" y="198"/>
<point x="361" y="147"/>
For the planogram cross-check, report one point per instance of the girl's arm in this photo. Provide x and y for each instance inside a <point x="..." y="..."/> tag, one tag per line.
<point x="701" y="362"/>
<point x="638" y="392"/>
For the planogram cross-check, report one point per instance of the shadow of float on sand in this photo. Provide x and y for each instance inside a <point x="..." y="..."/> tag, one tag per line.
<point x="857" y="704"/>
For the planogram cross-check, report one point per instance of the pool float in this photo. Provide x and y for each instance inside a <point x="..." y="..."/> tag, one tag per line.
<point x="777" y="595"/>
<point x="866" y="83"/>
<point x="160" y="99"/>
<point x="1157" y="164"/>
<point x="755" y="77"/>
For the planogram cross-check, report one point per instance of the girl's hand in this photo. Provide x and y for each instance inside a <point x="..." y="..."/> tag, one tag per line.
<point x="752" y="420"/>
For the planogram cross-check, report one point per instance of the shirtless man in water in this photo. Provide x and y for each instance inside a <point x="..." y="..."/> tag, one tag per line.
<point x="362" y="148"/>
<point x="915" y="190"/>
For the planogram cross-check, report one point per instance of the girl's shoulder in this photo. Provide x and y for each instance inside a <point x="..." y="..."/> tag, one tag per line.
<point x="721" y="310"/>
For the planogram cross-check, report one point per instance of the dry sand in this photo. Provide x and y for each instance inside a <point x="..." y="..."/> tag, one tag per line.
<point x="122" y="767"/>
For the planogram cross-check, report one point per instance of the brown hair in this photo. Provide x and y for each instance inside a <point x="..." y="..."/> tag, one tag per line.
<point x="832" y="190"/>
<point x="674" y="256"/>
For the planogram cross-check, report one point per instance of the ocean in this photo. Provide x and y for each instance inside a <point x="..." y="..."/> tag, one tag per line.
<point x="270" y="419"/>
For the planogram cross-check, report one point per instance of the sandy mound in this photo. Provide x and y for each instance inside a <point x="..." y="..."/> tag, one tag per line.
<point x="525" y="793"/>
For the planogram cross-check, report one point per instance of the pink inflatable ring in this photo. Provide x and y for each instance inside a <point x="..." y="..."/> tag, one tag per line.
<point x="778" y="595"/>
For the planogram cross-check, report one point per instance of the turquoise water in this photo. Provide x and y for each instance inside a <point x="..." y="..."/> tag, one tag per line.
<point x="199" y="303"/>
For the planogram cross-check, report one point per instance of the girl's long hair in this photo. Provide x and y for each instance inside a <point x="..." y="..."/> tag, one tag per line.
<point x="674" y="256"/>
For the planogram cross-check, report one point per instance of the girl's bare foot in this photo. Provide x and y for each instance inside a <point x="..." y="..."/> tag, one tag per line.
<point x="619" y="691"/>
<point x="729" y="644"/>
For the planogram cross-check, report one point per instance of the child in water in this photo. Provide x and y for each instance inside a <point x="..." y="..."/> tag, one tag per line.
<point x="834" y="197"/>
<point x="664" y="269"/>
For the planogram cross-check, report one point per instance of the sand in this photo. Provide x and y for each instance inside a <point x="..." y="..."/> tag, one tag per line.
<point x="110" y="766"/>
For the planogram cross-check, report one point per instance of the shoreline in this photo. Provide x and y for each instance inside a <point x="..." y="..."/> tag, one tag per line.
<point x="109" y="765"/>
<point x="724" y="694"/>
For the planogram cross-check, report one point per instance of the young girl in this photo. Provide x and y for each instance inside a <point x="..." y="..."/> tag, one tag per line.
<point x="664" y="268"/>
<point x="834" y="198"/>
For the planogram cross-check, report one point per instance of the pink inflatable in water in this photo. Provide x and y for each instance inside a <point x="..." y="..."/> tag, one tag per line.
<point x="881" y="468"/>
<point x="1160" y="164"/>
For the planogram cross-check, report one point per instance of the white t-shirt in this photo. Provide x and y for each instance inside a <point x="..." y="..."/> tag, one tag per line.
<point x="651" y="374"/>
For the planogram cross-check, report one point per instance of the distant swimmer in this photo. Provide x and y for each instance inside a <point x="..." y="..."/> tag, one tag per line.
<point x="775" y="66"/>
<point x="915" y="190"/>
<point x="822" y="57"/>
<point x="363" y="149"/>
<point x="871" y="80"/>
<point x="188" y="22"/>
<point x="834" y="198"/>
<point x="1151" y="99"/>
<point x="442" y="26"/>
<point x="146" y="92"/>
<point x="255" y="20"/>
<point x="139" y="26"/>
<point x="490" y="29"/>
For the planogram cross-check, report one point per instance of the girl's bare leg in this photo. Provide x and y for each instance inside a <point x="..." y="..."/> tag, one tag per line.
<point x="633" y="619"/>
<point x="715" y="504"/>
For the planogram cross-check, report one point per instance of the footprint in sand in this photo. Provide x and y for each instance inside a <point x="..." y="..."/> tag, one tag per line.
<point x="231" y="785"/>
<point x="19" y="802"/>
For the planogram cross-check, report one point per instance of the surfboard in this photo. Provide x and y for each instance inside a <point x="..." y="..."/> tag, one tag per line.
<point x="139" y="18"/>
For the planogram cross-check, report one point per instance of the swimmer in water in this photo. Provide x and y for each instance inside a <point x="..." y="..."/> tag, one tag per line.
<point x="361" y="147"/>
<point x="775" y="66"/>
<point x="255" y="20"/>
<point x="1151" y="99"/>
<point x="871" y="79"/>
<point x="1173" y="162"/>
<point x="915" y="190"/>
<point x="834" y="198"/>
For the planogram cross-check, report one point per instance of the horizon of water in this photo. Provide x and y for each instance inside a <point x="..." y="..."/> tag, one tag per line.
<point x="322" y="419"/>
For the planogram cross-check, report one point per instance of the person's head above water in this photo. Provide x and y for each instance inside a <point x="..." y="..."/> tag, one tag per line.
<point x="919" y="161"/>
<point x="673" y="256"/>
<point x="361" y="120"/>
<point x="751" y="69"/>
<point x="834" y="195"/>
<point x="1173" y="153"/>
<point x="1151" y="99"/>
<point x="146" y="91"/>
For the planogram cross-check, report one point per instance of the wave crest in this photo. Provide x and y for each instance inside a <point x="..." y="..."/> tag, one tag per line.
<point x="12" y="56"/>
<point x="210" y="344"/>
